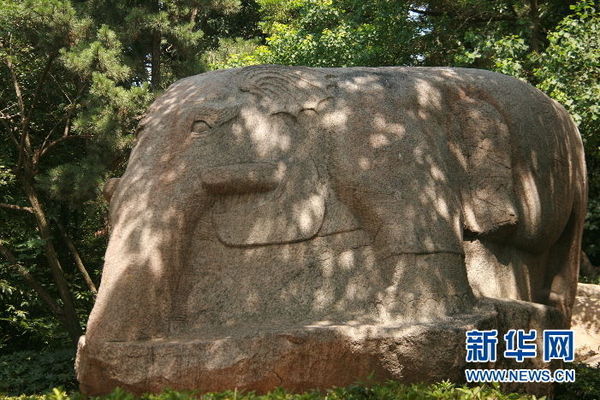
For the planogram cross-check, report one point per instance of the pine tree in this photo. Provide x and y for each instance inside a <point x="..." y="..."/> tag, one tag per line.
<point x="67" y="106"/>
<point x="75" y="78"/>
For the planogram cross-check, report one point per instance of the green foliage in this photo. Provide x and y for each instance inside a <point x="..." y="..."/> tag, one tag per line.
<point x="331" y="33"/>
<point x="586" y="387"/>
<point x="591" y="238"/>
<point x="506" y="55"/>
<point x="233" y="53"/>
<point x="179" y="31"/>
<point x="387" y="391"/>
<point x="82" y="94"/>
<point x="22" y="322"/>
<point x="569" y="71"/>
<point x="30" y="372"/>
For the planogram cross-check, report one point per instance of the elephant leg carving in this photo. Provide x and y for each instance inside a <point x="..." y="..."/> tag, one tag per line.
<point x="410" y="255"/>
<point x="417" y="291"/>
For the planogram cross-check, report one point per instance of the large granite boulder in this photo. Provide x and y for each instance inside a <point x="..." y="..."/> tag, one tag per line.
<point x="306" y="228"/>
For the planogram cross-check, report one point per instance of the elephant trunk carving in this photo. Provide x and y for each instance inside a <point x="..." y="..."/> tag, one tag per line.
<point x="243" y="178"/>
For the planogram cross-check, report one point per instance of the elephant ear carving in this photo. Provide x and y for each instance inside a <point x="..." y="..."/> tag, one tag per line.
<point x="285" y="89"/>
<point x="484" y="150"/>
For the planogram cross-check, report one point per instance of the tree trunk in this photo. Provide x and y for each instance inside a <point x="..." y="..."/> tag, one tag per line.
<point x="70" y="321"/>
<point x="193" y="15"/>
<point x="535" y="41"/>
<point x="155" y="77"/>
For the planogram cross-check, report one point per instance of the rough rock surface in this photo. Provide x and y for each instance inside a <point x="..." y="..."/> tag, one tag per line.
<point x="298" y="227"/>
<point x="586" y="323"/>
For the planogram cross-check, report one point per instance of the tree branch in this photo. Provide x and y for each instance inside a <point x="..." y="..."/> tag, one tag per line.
<point x="42" y="79"/>
<point x="32" y="282"/>
<point x="67" y="118"/>
<point x="10" y="133"/>
<point x="53" y="143"/>
<point x="193" y="14"/>
<point x="58" y="85"/>
<point x="457" y="15"/>
<point x="78" y="262"/>
<point x="16" y="207"/>
<point x="24" y="143"/>
<point x="15" y="82"/>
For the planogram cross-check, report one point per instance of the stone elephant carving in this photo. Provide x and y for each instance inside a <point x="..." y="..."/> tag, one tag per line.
<point x="291" y="196"/>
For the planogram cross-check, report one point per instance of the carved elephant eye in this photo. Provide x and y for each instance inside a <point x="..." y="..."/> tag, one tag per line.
<point x="200" y="128"/>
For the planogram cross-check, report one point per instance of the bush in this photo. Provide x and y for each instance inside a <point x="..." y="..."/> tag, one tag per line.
<point x="586" y="386"/>
<point x="29" y="372"/>
<point x="388" y="391"/>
